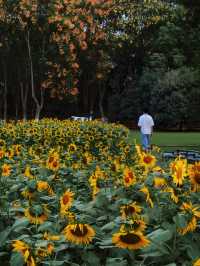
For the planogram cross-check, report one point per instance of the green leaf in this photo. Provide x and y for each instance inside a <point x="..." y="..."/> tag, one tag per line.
<point x="116" y="262"/>
<point x="41" y="243"/>
<point x="108" y="226"/>
<point x="160" y="235"/>
<point x="32" y="184"/>
<point x="101" y="218"/>
<point x="43" y="172"/>
<point x="3" y="236"/>
<point x="22" y="222"/>
<point x="16" y="209"/>
<point x="180" y="220"/>
<point x="157" y="246"/>
<point x="91" y="258"/>
<point x="54" y="263"/>
<point x="154" y="253"/>
<point x="45" y="226"/>
<point x="106" y="243"/>
<point x="16" y="259"/>
<point x="61" y="247"/>
<point x="2" y="254"/>
<point x="193" y="250"/>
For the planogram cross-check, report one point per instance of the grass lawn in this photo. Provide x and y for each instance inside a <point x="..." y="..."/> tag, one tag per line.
<point x="177" y="140"/>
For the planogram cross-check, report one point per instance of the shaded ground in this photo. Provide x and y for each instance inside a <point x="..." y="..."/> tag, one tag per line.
<point x="172" y="140"/>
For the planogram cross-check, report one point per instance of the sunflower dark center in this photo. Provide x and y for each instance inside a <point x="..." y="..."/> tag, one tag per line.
<point x="130" y="175"/>
<point x="51" y="159"/>
<point x="127" y="179"/>
<point x="55" y="164"/>
<point x="80" y="231"/>
<point x="72" y="148"/>
<point x="197" y="168"/>
<point x="130" y="238"/>
<point x="113" y="167"/>
<point x="85" y="160"/>
<point x="197" y="177"/>
<point x="129" y="210"/>
<point x="147" y="159"/>
<point x="65" y="199"/>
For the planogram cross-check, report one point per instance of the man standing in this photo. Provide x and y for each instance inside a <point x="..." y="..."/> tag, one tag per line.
<point x="146" y="124"/>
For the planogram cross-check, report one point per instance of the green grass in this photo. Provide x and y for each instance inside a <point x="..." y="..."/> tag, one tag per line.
<point x="172" y="140"/>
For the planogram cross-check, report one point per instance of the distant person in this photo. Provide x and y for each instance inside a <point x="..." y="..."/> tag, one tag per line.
<point x="91" y="115"/>
<point x="104" y="119"/>
<point x="146" y="123"/>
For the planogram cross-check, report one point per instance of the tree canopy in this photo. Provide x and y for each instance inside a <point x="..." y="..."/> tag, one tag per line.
<point x="113" y="57"/>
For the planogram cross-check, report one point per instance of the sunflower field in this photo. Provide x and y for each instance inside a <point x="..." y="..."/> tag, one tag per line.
<point x="78" y="193"/>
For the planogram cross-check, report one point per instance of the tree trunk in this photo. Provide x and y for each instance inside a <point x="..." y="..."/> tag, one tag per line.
<point x="5" y="92"/>
<point x="101" y="96"/>
<point x="24" y="97"/>
<point x="39" y="105"/>
<point x="5" y="100"/>
<point x="17" y="108"/>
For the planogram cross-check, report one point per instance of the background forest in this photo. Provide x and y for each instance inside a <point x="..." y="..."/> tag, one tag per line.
<point x="62" y="58"/>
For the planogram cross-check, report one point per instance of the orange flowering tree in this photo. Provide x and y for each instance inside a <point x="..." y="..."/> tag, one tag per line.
<point x="75" y="25"/>
<point x="50" y="37"/>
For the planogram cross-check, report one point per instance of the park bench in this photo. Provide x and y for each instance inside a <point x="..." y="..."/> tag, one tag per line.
<point x="191" y="155"/>
<point x="80" y="118"/>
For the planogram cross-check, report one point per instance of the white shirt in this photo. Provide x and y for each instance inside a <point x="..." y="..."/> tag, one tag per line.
<point x="146" y="123"/>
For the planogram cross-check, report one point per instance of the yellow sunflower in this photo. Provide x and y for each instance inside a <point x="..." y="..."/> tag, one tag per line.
<point x="71" y="217"/>
<point x="27" y="194"/>
<point x="179" y="171"/>
<point x="129" y="177"/>
<point x="159" y="182"/>
<point x="115" y="166"/>
<point x="53" y="161"/>
<point x="45" y="251"/>
<point x="155" y="148"/>
<point x="93" y="180"/>
<point x="138" y="225"/>
<point x="49" y="237"/>
<point x="173" y="196"/>
<point x="194" y="175"/>
<point x="197" y="262"/>
<point x="79" y="233"/>
<point x="148" y="198"/>
<point x="2" y="143"/>
<point x="158" y="169"/>
<point x="87" y="158"/>
<point x="130" y="239"/>
<point x="130" y="210"/>
<point x="188" y="207"/>
<point x="2" y="153"/>
<point x="72" y="147"/>
<point x="127" y="148"/>
<point x="24" y="249"/>
<point x="10" y="153"/>
<point x="147" y="160"/>
<point x="138" y="150"/>
<point x="192" y="224"/>
<point x="43" y="185"/>
<point x="55" y="165"/>
<point x="6" y="169"/>
<point x="27" y="172"/>
<point x="17" y="149"/>
<point x="66" y="201"/>
<point x="36" y="214"/>
<point x="99" y="173"/>
<point x="190" y="227"/>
